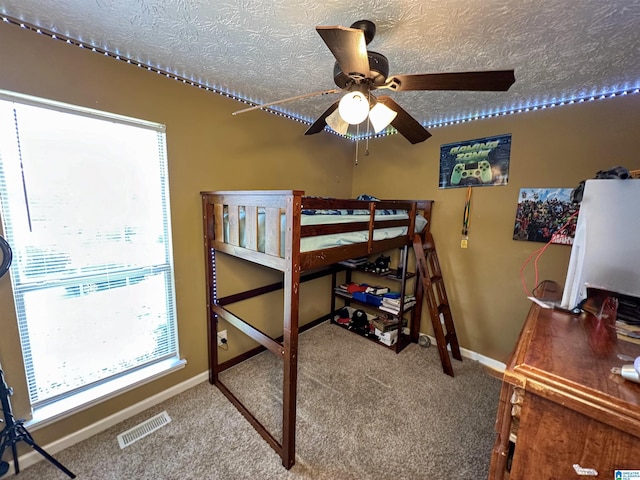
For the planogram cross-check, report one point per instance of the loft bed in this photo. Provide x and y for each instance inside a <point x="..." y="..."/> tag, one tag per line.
<point x="292" y="233"/>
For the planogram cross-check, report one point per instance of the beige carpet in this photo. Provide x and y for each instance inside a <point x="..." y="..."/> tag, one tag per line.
<point x="364" y="412"/>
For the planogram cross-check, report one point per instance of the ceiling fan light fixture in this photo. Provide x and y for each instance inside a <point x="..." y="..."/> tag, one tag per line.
<point x="381" y="116"/>
<point x="336" y="122"/>
<point x="354" y="108"/>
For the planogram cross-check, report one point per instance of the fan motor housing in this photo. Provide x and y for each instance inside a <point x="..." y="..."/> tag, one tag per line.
<point x="378" y="66"/>
<point x="368" y="27"/>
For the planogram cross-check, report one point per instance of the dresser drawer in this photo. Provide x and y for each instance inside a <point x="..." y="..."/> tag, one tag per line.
<point x="552" y="439"/>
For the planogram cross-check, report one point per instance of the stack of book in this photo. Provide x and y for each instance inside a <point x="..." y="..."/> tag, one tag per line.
<point x="362" y="292"/>
<point x="387" y="323"/>
<point x="377" y="290"/>
<point x="351" y="288"/>
<point x="392" y="305"/>
<point x="354" y="262"/>
<point x="343" y="289"/>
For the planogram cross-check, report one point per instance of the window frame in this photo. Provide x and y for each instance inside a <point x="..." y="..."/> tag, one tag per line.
<point x="94" y="392"/>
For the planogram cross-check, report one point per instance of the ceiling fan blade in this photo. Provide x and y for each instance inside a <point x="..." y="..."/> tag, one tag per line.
<point x="321" y="122"/>
<point x="490" y="81"/>
<point x="299" y="97"/>
<point x="349" y="47"/>
<point x="405" y="124"/>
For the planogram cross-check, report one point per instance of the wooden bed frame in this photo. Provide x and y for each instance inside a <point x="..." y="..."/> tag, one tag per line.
<point x="290" y="203"/>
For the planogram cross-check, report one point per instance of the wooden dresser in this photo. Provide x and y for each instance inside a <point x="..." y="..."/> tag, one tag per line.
<point x="561" y="406"/>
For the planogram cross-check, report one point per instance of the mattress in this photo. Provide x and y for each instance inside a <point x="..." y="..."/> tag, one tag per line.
<point x="321" y="242"/>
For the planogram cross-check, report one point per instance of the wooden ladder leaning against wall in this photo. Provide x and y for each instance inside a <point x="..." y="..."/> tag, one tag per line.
<point x="431" y="288"/>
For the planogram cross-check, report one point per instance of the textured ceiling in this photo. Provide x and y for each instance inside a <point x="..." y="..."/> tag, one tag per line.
<point x="265" y="51"/>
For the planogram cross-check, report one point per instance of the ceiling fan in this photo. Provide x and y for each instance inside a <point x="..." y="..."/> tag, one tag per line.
<point x="359" y="72"/>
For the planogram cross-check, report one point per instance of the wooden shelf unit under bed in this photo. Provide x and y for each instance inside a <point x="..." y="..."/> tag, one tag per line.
<point x="265" y="227"/>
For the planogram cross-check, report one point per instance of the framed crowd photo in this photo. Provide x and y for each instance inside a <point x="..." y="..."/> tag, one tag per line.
<point x="542" y="215"/>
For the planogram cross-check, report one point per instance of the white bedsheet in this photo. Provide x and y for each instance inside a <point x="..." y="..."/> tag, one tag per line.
<point x="319" y="242"/>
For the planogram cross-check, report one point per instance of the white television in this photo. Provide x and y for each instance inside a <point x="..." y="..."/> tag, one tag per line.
<point x="606" y="248"/>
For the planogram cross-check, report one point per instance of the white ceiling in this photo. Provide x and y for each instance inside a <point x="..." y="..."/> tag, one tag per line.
<point x="269" y="50"/>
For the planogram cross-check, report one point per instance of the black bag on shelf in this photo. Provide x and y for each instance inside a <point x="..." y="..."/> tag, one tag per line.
<point x="360" y="323"/>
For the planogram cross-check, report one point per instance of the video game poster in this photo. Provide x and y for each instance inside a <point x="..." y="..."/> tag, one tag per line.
<point x="479" y="162"/>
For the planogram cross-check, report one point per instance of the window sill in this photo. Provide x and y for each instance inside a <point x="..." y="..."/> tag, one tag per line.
<point x="45" y="415"/>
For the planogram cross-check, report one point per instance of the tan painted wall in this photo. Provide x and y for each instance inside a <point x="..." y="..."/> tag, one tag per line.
<point x="556" y="147"/>
<point x="209" y="149"/>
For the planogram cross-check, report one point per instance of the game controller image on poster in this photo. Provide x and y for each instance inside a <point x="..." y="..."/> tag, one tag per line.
<point x="479" y="162"/>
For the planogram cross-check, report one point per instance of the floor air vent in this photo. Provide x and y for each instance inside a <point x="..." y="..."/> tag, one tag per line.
<point x="145" y="428"/>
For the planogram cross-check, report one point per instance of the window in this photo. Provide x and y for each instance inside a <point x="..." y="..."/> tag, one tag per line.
<point x="85" y="207"/>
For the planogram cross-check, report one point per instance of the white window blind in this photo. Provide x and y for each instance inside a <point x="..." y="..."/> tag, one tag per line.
<point x="85" y="208"/>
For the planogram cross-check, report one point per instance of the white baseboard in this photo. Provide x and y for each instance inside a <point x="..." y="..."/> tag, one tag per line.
<point x="486" y="361"/>
<point x="471" y="355"/>
<point x="34" y="457"/>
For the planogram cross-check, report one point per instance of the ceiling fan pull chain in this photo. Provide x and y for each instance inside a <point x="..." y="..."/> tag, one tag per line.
<point x="357" y="141"/>
<point x="366" y="149"/>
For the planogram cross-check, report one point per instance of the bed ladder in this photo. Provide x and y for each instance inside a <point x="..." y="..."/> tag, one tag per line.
<point x="431" y="288"/>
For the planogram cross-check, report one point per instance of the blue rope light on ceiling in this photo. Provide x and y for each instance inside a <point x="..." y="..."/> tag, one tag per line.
<point x="391" y="131"/>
